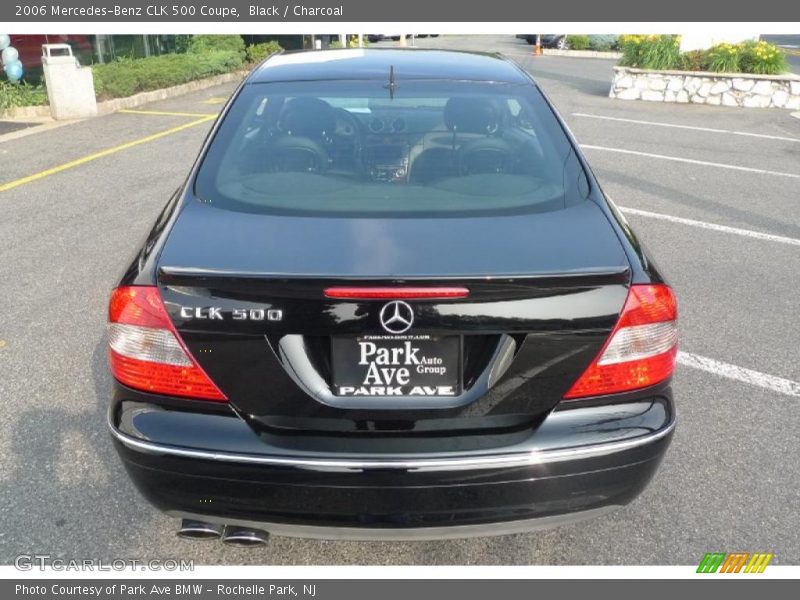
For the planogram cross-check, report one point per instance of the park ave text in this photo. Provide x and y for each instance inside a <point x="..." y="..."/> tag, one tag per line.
<point x="181" y="10"/>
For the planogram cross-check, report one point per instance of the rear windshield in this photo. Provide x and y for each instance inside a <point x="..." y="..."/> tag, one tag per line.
<point x="364" y="148"/>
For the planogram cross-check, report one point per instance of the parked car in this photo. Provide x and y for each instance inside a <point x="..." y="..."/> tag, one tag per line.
<point x="30" y="50"/>
<point x="390" y="301"/>
<point x="547" y="40"/>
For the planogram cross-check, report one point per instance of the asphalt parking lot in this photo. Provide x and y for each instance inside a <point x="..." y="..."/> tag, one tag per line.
<point x="712" y="191"/>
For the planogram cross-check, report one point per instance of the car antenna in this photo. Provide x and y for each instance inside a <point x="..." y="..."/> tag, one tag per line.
<point x="392" y="83"/>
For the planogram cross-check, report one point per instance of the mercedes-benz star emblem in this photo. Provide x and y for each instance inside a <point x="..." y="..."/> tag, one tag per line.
<point x="397" y="316"/>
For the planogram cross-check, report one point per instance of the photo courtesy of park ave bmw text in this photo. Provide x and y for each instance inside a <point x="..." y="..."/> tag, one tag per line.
<point x="352" y="289"/>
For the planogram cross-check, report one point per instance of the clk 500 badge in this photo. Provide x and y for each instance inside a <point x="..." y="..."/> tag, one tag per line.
<point x="215" y="313"/>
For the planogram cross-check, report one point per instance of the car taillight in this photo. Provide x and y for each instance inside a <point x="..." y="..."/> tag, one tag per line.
<point x="641" y="349"/>
<point x="145" y="350"/>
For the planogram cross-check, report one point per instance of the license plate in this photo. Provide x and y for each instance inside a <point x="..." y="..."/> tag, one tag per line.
<point x="402" y="365"/>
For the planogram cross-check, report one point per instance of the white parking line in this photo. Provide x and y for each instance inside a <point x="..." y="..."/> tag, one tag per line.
<point x="723" y="369"/>
<point x="691" y="161"/>
<point x="695" y="128"/>
<point x="713" y="226"/>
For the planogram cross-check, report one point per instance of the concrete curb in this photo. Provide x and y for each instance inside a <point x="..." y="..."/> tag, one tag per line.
<point x="26" y="113"/>
<point x="22" y="113"/>
<point x="581" y="53"/>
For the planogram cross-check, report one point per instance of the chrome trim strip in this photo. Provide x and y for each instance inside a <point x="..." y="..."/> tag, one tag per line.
<point x="178" y="271"/>
<point x="518" y="459"/>
<point x="413" y="533"/>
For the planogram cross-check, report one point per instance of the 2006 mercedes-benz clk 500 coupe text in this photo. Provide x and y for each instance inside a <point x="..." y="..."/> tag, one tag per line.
<point x="390" y="301"/>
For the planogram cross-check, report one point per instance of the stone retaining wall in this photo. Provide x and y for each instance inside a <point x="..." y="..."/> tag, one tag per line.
<point x="719" y="89"/>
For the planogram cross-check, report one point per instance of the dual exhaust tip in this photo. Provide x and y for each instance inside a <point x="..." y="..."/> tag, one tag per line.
<point x="230" y="534"/>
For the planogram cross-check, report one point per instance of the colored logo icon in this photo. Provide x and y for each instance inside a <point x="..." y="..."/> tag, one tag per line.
<point x="735" y="562"/>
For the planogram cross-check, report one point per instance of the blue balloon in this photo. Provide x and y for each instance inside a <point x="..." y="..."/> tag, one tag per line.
<point x="5" y="41"/>
<point x="14" y="70"/>
<point x="9" y="55"/>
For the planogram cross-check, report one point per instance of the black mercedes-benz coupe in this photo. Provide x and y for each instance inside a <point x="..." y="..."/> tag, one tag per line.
<point x="390" y="300"/>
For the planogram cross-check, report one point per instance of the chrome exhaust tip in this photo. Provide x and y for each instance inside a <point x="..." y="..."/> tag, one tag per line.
<point x="244" y="536"/>
<point x="198" y="530"/>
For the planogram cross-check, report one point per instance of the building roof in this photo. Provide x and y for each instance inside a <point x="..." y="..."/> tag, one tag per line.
<point x="409" y="63"/>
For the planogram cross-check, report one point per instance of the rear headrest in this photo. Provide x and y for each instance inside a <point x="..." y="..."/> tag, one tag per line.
<point x="470" y="115"/>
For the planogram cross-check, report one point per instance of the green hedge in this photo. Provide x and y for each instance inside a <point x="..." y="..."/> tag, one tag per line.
<point x="578" y="42"/>
<point x="598" y="43"/>
<point x="603" y="42"/>
<point x="21" y="94"/>
<point x="258" y="52"/>
<point x="203" y="44"/>
<point x="205" y="55"/>
<point x="126" y="77"/>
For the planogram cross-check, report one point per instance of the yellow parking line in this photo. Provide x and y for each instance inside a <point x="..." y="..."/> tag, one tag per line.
<point x="80" y="161"/>
<point x="164" y="113"/>
<point x="215" y="101"/>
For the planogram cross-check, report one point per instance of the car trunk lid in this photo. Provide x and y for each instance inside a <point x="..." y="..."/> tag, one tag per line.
<point x="247" y="294"/>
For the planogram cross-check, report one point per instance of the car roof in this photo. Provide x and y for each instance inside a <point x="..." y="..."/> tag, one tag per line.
<point x="374" y="63"/>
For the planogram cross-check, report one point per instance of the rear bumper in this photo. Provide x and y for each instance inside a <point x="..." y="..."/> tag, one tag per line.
<point x="405" y="534"/>
<point x="579" y="463"/>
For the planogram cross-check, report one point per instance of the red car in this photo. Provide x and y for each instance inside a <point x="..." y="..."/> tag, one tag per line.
<point x="30" y="48"/>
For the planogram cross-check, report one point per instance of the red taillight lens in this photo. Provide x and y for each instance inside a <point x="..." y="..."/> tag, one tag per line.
<point x="145" y="350"/>
<point x="394" y="293"/>
<point x="641" y="349"/>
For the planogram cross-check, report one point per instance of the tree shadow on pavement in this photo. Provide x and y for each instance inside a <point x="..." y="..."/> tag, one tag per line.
<point x="69" y="497"/>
